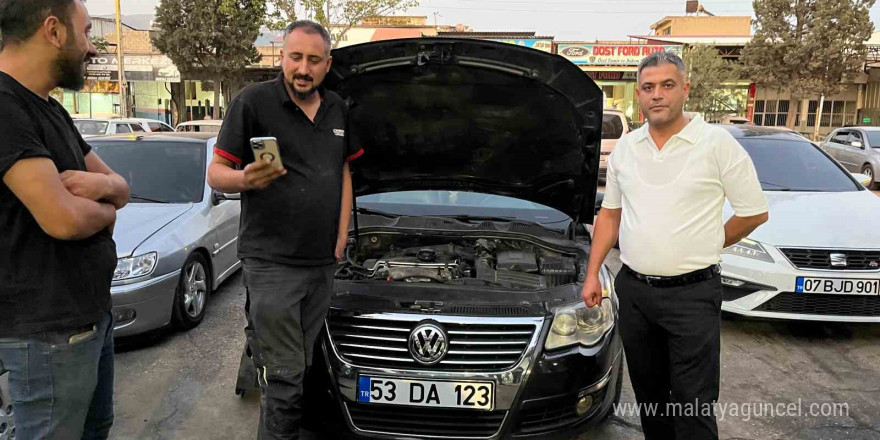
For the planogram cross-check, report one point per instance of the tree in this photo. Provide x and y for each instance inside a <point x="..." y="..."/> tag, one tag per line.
<point x="101" y="45"/>
<point x="210" y="39"/>
<point x="808" y="47"/>
<point x="708" y="72"/>
<point x="341" y="14"/>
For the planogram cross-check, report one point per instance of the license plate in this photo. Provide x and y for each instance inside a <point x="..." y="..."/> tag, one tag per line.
<point x="438" y="394"/>
<point x="839" y="286"/>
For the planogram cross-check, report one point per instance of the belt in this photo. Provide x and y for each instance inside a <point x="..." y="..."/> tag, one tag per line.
<point x="678" y="280"/>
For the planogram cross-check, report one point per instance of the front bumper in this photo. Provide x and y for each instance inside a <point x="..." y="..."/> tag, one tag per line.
<point x="773" y="296"/>
<point x="534" y="399"/>
<point x="145" y="305"/>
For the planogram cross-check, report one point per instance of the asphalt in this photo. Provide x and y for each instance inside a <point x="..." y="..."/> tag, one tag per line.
<point x="173" y="385"/>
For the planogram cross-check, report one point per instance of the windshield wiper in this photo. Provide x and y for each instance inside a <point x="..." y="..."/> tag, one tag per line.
<point x="137" y="197"/>
<point x="478" y="218"/>
<point x="781" y="187"/>
<point x="369" y="211"/>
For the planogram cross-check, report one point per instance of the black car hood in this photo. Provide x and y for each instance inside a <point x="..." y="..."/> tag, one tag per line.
<point x="471" y="115"/>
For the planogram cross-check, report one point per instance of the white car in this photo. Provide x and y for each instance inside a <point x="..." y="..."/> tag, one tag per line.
<point x="101" y="126"/>
<point x="153" y="125"/>
<point x="818" y="257"/>
<point x="201" y="126"/>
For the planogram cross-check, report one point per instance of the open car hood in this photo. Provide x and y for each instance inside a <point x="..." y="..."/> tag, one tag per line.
<point x="471" y="115"/>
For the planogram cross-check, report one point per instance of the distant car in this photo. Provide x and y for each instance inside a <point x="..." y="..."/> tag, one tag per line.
<point x="105" y="126"/>
<point x="154" y="126"/>
<point x="203" y="126"/>
<point x="735" y="120"/>
<point x="857" y="149"/>
<point x="818" y="257"/>
<point x="176" y="239"/>
<point x="614" y="126"/>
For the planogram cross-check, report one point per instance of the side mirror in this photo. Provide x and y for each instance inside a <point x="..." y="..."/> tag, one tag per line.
<point x="218" y="197"/>
<point x="856" y="144"/>
<point x="600" y="197"/>
<point x="864" y="179"/>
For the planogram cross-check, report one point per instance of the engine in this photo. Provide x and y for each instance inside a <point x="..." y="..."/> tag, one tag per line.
<point x="505" y="263"/>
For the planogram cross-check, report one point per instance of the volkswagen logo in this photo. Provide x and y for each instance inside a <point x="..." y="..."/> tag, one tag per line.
<point x="428" y="344"/>
<point x="838" y="260"/>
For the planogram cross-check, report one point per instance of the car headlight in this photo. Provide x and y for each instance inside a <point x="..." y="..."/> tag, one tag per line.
<point x="577" y="324"/>
<point x="749" y="249"/>
<point x="135" y="267"/>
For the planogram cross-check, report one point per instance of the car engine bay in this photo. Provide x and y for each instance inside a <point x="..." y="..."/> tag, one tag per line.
<point x="508" y="263"/>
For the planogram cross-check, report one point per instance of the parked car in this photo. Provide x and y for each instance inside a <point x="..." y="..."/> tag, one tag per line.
<point x="201" y="126"/>
<point x="857" y="149"/>
<point x="105" y="126"/>
<point x="153" y="125"/>
<point x="176" y="239"/>
<point x="457" y="310"/>
<point x="818" y="257"/>
<point x="614" y="126"/>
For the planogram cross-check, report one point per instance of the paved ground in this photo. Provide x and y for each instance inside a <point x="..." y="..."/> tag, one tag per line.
<point x="180" y="385"/>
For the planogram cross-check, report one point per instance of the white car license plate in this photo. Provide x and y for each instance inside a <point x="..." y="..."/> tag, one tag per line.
<point x="839" y="286"/>
<point x="439" y="394"/>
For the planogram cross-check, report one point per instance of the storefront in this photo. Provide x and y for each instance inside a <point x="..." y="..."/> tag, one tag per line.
<point x="614" y="68"/>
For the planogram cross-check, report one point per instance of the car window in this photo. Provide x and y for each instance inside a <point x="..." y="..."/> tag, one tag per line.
<point x="137" y="128"/>
<point x="855" y="137"/>
<point x="91" y="128"/>
<point x="123" y="128"/>
<point x="158" y="170"/>
<point x="840" y="137"/>
<point x="874" y="138"/>
<point x="795" y="165"/>
<point x="463" y="203"/>
<point x="154" y="126"/>
<point x="612" y="126"/>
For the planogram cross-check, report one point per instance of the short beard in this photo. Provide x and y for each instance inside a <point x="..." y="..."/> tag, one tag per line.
<point x="302" y="96"/>
<point x="70" y="69"/>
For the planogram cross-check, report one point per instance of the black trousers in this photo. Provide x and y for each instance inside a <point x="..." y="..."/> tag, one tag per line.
<point x="672" y="341"/>
<point x="286" y="310"/>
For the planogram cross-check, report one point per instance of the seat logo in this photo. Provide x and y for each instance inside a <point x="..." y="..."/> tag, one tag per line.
<point x="838" y="260"/>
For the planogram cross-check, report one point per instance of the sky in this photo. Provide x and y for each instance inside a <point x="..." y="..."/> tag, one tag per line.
<point x="563" y="19"/>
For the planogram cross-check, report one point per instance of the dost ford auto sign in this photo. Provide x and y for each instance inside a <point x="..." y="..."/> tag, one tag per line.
<point x="611" y="55"/>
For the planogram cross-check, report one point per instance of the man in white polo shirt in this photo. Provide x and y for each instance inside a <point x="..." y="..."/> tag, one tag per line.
<point x="665" y="189"/>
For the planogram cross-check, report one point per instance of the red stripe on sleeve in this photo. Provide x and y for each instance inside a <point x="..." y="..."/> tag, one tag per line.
<point x="355" y="155"/>
<point x="227" y="155"/>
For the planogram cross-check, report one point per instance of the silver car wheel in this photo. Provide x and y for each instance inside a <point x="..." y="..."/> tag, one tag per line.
<point x="196" y="289"/>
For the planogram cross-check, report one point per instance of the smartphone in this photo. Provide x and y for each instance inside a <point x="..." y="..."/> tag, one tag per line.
<point x="266" y="148"/>
<point x="83" y="336"/>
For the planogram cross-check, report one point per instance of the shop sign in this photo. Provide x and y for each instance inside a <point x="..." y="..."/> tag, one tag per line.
<point x="610" y="54"/>
<point x="543" y="45"/>
<point x="137" y="68"/>
<point x="612" y="76"/>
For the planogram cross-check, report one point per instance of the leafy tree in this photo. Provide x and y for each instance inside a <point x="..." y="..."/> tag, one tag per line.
<point x="708" y="72"/>
<point x="341" y="14"/>
<point x="210" y="39"/>
<point x="808" y="47"/>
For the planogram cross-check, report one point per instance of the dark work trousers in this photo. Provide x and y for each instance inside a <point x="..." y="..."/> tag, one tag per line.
<point x="286" y="310"/>
<point x="672" y="340"/>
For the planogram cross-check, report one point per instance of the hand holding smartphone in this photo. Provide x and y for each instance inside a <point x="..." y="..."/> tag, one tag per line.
<point x="267" y="165"/>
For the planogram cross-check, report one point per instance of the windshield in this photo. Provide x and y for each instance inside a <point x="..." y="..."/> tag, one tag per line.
<point x="458" y="203"/>
<point x="874" y="138"/>
<point x="91" y="128"/>
<point x="169" y="172"/>
<point x="612" y="126"/>
<point x="795" y="165"/>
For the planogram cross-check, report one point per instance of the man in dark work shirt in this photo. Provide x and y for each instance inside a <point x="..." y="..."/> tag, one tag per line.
<point x="58" y="205"/>
<point x="294" y="219"/>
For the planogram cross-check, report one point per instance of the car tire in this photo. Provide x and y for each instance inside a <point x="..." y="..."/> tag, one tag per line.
<point x="193" y="289"/>
<point x="868" y="170"/>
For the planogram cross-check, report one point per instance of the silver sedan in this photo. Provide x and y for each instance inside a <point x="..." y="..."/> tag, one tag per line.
<point x="176" y="239"/>
<point x="857" y="149"/>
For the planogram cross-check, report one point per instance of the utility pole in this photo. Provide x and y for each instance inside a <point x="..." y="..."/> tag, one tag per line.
<point x="123" y="90"/>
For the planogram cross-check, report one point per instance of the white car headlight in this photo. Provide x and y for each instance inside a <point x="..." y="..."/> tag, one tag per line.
<point x="749" y="249"/>
<point x="135" y="267"/>
<point x="577" y="324"/>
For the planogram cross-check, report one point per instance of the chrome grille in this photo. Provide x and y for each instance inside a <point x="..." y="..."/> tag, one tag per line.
<point x="821" y="258"/>
<point x="474" y="343"/>
<point x="822" y="304"/>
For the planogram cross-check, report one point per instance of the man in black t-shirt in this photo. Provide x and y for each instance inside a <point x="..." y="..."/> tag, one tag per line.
<point x="58" y="205"/>
<point x="294" y="219"/>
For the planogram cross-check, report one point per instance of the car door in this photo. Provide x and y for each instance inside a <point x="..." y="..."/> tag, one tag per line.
<point x="224" y="218"/>
<point x="855" y="151"/>
<point x="835" y="143"/>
